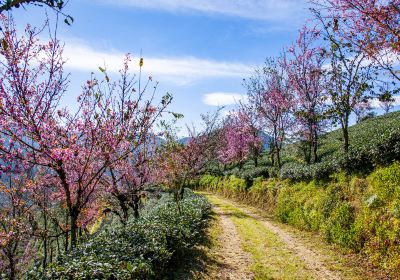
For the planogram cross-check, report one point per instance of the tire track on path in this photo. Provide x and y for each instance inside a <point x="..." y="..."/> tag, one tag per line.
<point x="234" y="259"/>
<point x="235" y="262"/>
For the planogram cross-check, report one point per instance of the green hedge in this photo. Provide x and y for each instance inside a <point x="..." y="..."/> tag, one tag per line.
<point x="228" y="185"/>
<point x="356" y="213"/>
<point x="374" y="142"/>
<point x="141" y="250"/>
<point x="359" y="213"/>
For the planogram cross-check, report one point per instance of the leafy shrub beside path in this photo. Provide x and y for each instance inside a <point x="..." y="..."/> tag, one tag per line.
<point x="144" y="249"/>
<point x="359" y="213"/>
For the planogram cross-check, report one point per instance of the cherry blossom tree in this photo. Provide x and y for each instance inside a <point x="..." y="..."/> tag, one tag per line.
<point x="270" y="96"/>
<point x="174" y="166"/>
<point x="31" y="85"/>
<point x="177" y="163"/>
<point x="304" y="62"/>
<point x="373" y="26"/>
<point x="77" y="148"/>
<point x="16" y="232"/>
<point x="250" y="117"/>
<point x="239" y="139"/>
<point x="350" y="78"/>
<point x="128" y="178"/>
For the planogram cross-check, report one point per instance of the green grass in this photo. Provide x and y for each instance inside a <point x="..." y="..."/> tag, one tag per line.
<point x="367" y="133"/>
<point x="272" y="260"/>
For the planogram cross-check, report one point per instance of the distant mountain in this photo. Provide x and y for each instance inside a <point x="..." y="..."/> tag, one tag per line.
<point x="265" y="140"/>
<point x="184" y="140"/>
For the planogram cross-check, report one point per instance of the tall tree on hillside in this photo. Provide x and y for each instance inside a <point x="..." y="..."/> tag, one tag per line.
<point x="250" y="117"/>
<point x="372" y="26"/>
<point x="304" y="62"/>
<point x="387" y="98"/>
<point x="349" y="77"/>
<point x="270" y="95"/>
<point x="239" y="139"/>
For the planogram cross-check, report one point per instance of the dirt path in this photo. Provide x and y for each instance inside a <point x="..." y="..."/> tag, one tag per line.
<point x="235" y="261"/>
<point x="283" y="247"/>
<point x="312" y="260"/>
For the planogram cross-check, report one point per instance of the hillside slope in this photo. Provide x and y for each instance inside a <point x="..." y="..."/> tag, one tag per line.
<point x="373" y="142"/>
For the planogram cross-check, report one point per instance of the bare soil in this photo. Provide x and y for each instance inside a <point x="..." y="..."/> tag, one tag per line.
<point x="234" y="262"/>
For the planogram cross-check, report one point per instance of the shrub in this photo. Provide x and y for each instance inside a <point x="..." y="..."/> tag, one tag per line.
<point x="250" y="174"/>
<point x="381" y="217"/>
<point x="263" y="193"/>
<point x="209" y="182"/>
<point x="358" y="213"/>
<point x="235" y="184"/>
<point x="302" y="205"/>
<point x="373" y="142"/>
<point x="340" y="227"/>
<point x="141" y="250"/>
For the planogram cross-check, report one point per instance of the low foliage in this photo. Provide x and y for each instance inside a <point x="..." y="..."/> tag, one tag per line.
<point x="374" y="142"/>
<point x="359" y="213"/>
<point x="142" y="250"/>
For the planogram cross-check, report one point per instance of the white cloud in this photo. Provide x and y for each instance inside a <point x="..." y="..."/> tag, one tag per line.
<point x="276" y="10"/>
<point x="222" y="98"/>
<point x="375" y="103"/>
<point x="178" y="70"/>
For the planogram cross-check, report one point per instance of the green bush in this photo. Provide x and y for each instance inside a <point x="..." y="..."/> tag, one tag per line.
<point x="373" y="142"/>
<point x="360" y="213"/>
<point x="252" y="173"/>
<point x="209" y="182"/>
<point x="340" y="227"/>
<point x="381" y="217"/>
<point x="228" y="185"/>
<point x="235" y="184"/>
<point x="302" y="205"/>
<point x="141" y="250"/>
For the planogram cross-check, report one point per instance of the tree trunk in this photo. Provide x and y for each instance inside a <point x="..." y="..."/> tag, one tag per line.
<point x="181" y="192"/>
<point x="74" y="226"/>
<point x="313" y="142"/>
<point x="272" y="155"/>
<point x="136" y="206"/>
<point x="255" y="158"/>
<point x="345" y="131"/>
<point x="278" y="157"/>
<point x="346" y="139"/>
<point x="12" y="266"/>
<point x="308" y="152"/>
<point x="176" y="195"/>
<point x="346" y="146"/>
<point x="45" y="241"/>
<point x="51" y="250"/>
<point x="58" y="247"/>
<point x="315" y="147"/>
<point x="66" y="241"/>
<point x="66" y="231"/>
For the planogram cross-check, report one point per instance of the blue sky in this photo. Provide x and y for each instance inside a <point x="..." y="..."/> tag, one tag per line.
<point x="199" y="50"/>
